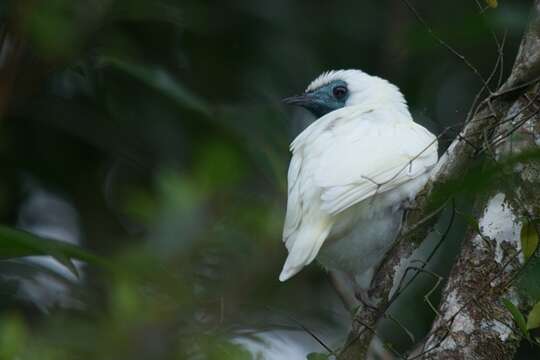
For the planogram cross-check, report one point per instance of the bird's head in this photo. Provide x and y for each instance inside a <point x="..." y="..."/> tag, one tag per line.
<point x="334" y="90"/>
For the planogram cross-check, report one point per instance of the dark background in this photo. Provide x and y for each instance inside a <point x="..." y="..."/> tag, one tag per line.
<point x="152" y="133"/>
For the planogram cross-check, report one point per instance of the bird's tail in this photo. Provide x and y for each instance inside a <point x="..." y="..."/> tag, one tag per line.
<point x="305" y="248"/>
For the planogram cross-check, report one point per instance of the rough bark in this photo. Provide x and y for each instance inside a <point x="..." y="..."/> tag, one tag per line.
<point x="475" y="262"/>
<point x="473" y="322"/>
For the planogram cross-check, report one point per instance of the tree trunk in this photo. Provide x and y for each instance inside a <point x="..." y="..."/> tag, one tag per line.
<point x="472" y="322"/>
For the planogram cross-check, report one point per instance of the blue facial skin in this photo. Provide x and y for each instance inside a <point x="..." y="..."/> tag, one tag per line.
<point x="322" y="100"/>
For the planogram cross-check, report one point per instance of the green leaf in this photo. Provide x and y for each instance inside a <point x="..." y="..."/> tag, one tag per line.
<point x="160" y="80"/>
<point x="478" y="178"/>
<point x="517" y="316"/>
<point x="17" y="243"/>
<point x="318" y="356"/>
<point x="529" y="239"/>
<point x="221" y="349"/>
<point x="533" y="319"/>
<point x="492" y="3"/>
<point x="13" y="337"/>
<point x="528" y="284"/>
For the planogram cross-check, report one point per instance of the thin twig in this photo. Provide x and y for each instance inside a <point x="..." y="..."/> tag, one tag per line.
<point x="446" y="45"/>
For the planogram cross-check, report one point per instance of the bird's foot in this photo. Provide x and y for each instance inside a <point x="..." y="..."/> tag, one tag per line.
<point x="345" y="290"/>
<point x="366" y="301"/>
<point x="409" y="205"/>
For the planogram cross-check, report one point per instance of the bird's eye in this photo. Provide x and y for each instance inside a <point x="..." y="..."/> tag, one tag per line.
<point x="339" y="92"/>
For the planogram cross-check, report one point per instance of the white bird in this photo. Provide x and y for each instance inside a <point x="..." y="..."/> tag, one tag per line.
<point x="352" y="172"/>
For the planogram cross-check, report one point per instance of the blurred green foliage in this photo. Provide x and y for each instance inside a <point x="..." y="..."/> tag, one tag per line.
<point x="160" y="123"/>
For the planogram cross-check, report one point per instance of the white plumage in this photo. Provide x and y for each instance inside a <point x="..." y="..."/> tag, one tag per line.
<point x="350" y="173"/>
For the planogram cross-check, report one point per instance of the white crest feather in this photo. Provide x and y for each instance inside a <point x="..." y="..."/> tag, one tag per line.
<point x="329" y="76"/>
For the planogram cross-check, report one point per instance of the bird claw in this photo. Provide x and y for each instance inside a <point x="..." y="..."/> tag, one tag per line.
<point x="362" y="295"/>
<point x="409" y="205"/>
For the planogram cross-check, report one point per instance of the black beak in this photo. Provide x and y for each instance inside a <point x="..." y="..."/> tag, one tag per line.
<point x="300" y="100"/>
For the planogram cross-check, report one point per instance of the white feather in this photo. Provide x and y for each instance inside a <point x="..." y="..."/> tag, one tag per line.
<point x="367" y="157"/>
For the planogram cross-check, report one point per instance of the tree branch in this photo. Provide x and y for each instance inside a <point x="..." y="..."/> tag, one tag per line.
<point x="474" y="323"/>
<point x="452" y="167"/>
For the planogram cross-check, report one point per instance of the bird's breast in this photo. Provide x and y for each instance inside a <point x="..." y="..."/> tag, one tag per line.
<point x="362" y="234"/>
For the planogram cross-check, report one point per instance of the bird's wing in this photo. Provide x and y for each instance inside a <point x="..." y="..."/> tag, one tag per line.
<point x="367" y="162"/>
<point x="302" y="191"/>
<point x="306" y="226"/>
<point x="341" y="160"/>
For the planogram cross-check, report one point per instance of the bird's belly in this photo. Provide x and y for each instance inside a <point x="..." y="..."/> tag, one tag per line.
<point x="360" y="238"/>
